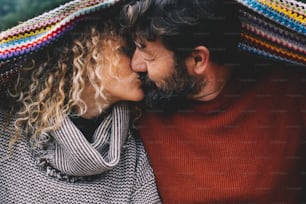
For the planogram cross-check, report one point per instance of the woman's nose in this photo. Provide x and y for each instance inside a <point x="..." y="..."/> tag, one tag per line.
<point x="138" y="64"/>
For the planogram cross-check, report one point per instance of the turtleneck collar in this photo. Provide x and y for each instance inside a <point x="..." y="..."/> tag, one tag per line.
<point x="66" y="153"/>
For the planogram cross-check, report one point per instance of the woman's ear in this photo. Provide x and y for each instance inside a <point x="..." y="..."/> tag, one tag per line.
<point x="200" y="56"/>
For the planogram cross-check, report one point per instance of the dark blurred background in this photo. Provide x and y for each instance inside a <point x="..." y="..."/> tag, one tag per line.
<point x="13" y="12"/>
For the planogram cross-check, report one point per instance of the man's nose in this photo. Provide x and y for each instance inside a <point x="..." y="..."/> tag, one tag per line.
<point x="138" y="64"/>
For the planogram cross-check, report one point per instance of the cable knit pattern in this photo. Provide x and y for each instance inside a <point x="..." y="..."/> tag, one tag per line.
<point x="23" y="182"/>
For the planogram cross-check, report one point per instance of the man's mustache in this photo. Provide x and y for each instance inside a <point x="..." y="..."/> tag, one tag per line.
<point x="158" y="98"/>
<point x="147" y="83"/>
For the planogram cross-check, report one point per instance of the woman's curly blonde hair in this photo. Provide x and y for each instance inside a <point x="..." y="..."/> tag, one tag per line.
<point x="49" y="88"/>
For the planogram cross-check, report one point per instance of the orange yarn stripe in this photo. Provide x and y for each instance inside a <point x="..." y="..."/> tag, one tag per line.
<point x="274" y="48"/>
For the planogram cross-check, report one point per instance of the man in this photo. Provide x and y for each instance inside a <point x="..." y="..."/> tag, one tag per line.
<point x="220" y="128"/>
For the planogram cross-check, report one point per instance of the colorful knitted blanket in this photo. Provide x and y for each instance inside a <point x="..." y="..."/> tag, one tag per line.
<point x="274" y="29"/>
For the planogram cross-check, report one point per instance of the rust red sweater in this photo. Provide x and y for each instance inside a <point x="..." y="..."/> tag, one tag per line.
<point x="245" y="146"/>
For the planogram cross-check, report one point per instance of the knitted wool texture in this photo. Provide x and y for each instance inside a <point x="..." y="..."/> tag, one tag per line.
<point x="65" y="153"/>
<point x="274" y="29"/>
<point x="23" y="182"/>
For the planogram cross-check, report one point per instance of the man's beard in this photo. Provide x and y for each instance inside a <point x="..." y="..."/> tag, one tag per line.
<point x="174" y="92"/>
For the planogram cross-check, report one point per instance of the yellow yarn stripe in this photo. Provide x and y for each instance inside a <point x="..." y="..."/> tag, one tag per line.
<point x="285" y="4"/>
<point x="291" y="14"/>
<point x="25" y="35"/>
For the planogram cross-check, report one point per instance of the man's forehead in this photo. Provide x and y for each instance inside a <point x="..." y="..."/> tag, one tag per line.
<point x="142" y="43"/>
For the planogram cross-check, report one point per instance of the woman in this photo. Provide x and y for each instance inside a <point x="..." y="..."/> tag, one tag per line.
<point x="67" y="139"/>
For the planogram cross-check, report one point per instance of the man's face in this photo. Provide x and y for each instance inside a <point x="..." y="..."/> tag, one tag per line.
<point x="166" y="81"/>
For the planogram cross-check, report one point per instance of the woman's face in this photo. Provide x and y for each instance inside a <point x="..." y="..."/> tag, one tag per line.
<point x="118" y="79"/>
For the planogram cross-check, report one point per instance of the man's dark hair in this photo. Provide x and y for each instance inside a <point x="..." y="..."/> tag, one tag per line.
<point x="184" y="24"/>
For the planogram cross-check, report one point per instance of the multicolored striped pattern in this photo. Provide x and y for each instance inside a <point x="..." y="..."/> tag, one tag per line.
<point x="274" y="29"/>
<point x="36" y="33"/>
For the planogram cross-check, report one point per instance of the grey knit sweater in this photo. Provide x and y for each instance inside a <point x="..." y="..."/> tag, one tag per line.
<point x="22" y="181"/>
